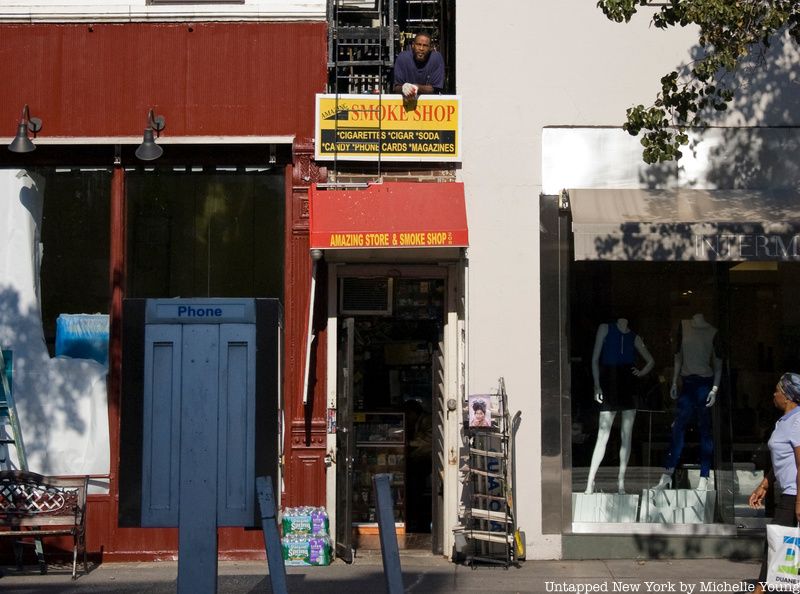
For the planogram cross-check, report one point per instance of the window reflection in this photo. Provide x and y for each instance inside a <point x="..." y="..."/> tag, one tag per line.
<point x="75" y="245"/>
<point x="201" y="234"/>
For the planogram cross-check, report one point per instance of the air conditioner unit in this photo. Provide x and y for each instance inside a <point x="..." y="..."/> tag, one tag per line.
<point x="362" y="296"/>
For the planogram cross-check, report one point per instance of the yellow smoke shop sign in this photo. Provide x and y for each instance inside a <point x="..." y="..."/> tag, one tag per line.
<point x="369" y="127"/>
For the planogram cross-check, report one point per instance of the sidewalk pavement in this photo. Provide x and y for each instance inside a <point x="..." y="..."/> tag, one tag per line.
<point x="421" y="574"/>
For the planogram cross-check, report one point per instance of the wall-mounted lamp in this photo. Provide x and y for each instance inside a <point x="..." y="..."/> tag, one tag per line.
<point x="149" y="150"/>
<point x="21" y="142"/>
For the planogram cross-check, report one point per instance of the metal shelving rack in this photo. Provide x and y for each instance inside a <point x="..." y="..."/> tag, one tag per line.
<point x="419" y="15"/>
<point x="361" y="45"/>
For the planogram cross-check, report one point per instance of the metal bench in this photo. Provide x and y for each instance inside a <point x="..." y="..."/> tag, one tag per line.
<point x="36" y="506"/>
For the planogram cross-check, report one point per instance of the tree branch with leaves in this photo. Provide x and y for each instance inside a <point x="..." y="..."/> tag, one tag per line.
<point x="730" y="31"/>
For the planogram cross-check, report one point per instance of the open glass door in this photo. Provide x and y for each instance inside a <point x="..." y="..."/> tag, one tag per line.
<point x="345" y="442"/>
<point x="437" y="478"/>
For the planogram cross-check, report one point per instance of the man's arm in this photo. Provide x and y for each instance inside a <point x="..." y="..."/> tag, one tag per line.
<point x="401" y="73"/>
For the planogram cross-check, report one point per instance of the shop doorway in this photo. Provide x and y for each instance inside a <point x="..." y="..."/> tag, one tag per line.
<point x="389" y="408"/>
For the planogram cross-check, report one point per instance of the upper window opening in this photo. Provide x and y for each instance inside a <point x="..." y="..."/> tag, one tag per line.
<point x="365" y="38"/>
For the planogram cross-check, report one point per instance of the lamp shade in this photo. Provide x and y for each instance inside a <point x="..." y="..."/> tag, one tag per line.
<point x="149" y="150"/>
<point x="21" y="142"/>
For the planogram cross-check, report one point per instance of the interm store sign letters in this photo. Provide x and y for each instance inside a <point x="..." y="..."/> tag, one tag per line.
<point x="371" y="127"/>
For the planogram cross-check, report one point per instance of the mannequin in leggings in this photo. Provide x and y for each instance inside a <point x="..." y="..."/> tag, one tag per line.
<point x="699" y="366"/>
<point x="614" y="371"/>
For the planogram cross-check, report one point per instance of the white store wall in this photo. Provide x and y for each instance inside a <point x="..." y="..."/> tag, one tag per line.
<point x="522" y="66"/>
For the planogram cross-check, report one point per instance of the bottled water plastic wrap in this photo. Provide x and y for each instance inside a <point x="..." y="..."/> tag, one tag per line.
<point x="306" y="539"/>
<point x="82" y="336"/>
<point x="306" y="549"/>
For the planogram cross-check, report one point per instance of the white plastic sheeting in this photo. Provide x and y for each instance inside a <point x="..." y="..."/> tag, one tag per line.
<point x="62" y="403"/>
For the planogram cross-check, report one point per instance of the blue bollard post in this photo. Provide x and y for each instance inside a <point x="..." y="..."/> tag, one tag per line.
<point x="272" y="539"/>
<point x="389" y="551"/>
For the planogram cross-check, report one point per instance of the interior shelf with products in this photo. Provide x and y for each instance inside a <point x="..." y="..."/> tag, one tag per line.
<point x="380" y="449"/>
<point x="421" y="300"/>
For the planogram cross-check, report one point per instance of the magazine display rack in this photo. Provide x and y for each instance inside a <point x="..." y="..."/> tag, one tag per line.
<point x="489" y="521"/>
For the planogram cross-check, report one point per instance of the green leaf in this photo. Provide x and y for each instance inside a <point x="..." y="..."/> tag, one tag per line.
<point x="728" y="30"/>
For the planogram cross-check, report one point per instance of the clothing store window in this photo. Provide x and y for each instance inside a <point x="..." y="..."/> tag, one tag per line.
<point x="673" y="367"/>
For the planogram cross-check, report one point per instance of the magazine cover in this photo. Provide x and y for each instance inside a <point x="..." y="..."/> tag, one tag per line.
<point x="480" y="410"/>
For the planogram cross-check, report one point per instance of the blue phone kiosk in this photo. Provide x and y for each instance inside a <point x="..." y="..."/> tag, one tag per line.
<point x="208" y="423"/>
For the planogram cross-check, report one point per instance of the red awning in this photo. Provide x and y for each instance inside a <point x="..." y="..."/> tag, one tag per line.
<point x="389" y="215"/>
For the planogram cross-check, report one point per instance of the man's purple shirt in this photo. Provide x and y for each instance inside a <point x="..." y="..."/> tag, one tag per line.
<point x="430" y="73"/>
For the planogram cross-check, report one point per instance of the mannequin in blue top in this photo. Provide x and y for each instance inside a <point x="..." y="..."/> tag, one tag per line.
<point x="614" y="371"/>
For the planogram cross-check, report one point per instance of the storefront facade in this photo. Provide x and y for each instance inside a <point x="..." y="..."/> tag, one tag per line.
<point x="534" y="310"/>
<point x="222" y="213"/>
<point x="394" y="299"/>
<point x="512" y="302"/>
<point x="673" y="262"/>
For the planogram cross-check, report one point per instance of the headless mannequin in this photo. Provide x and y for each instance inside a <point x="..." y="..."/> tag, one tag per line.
<point x="684" y="369"/>
<point x="607" y="416"/>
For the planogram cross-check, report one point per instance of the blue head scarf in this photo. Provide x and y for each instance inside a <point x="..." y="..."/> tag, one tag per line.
<point x="790" y="385"/>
